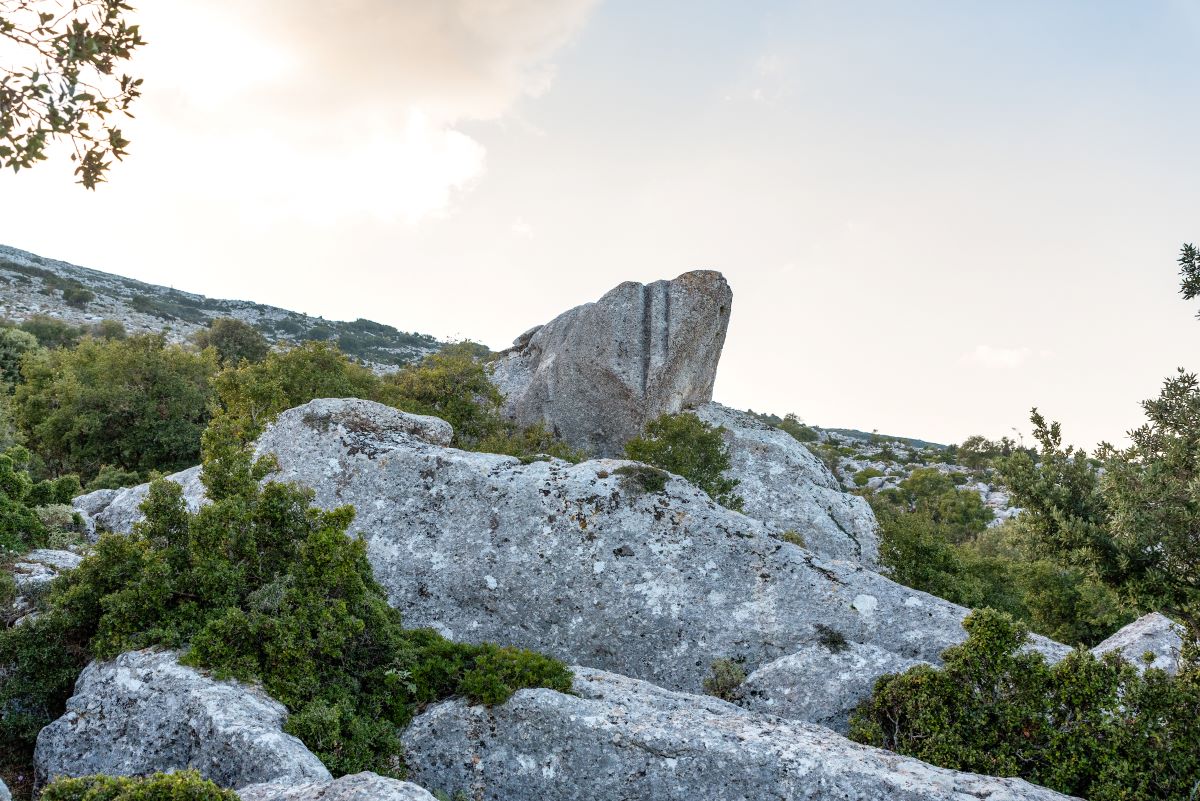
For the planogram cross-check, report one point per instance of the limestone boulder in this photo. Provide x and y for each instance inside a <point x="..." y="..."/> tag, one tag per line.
<point x="118" y="510"/>
<point x="581" y="561"/>
<point x="356" y="787"/>
<point x="617" y="738"/>
<point x="822" y="682"/>
<point x="1155" y="634"/>
<point x="787" y="487"/>
<point x="143" y="713"/>
<point x="596" y="374"/>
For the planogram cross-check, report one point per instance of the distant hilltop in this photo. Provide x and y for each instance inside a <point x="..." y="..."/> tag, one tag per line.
<point x="31" y="285"/>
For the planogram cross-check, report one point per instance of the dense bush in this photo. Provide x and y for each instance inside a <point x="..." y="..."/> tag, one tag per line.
<point x="14" y="345"/>
<point x="21" y="527"/>
<point x="687" y="446"/>
<point x="183" y="786"/>
<point x="138" y="404"/>
<point x="234" y="340"/>
<point x="52" y="332"/>
<point x="1095" y="728"/>
<point x="258" y="585"/>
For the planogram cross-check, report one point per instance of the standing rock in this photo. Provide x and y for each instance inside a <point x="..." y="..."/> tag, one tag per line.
<point x="143" y="712"/>
<point x="821" y="684"/>
<point x="1153" y="633"/>
<point x="5" y="795"/>
<point x="357" y="787"/>
<point x="595" y="375"/>
<point x="617" y="738"/>
<point x="787" y="487"/>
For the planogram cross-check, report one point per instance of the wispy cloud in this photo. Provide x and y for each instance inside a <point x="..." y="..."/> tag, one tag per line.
<point x="998" y="358"/>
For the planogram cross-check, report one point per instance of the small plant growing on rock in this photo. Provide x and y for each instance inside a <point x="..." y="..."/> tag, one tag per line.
<point x="794" y="537"/>
<point x="639" y="478"/>
<point x="831" y="638"/>
<point x="725" y="679"/>
<point x="186" y="785"/>
<point x="689" y="447"/>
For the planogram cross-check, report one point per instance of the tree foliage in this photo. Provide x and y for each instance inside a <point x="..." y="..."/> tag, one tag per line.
<point x="234" y="340"/>
<point x="1189" y="272"/>
<point x="20" y="527"/>
<point x="138" y="404"/>
<point x="67" y="86"/>
<point x="15" y="344"/>
<point x="1089" y="727"/>
<point x="687" y="446"/>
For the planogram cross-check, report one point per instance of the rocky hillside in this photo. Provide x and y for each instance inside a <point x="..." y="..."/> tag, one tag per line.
<point x="31" y="285"/>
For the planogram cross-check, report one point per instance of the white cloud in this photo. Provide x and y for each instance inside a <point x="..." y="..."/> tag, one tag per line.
<point x="998" y="358"/>
<point x="522" y="229"/>
<point x="323" y="111"/>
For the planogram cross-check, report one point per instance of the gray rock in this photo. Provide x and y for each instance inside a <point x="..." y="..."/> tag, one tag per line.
<point x="619" y="739"/>
<point x="787" y="487"/>
<point x="819" y="684"/>
<point x="578" y="562"/>
<point x="118" y="510"/>
<point x="34" y="571"/>
<point x="144" y="712"/>
<point x="5" y="795"/>
<point x="598" y="373"/>
<point x="1153" y="633"/>
<point x="357" y="787"/>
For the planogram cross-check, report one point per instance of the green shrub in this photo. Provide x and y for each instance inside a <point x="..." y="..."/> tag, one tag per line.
<point x="14" y="345"/>
<point x="183" y="786"/>
<point x="78" y="296"/>
<point x="52" y="332"/>
<point x="138" y="404"/>
<point x="794" y="537"/>
<point x="687" y="446"/>
<point x="234" y="341"/>
<point x="792" y="425"/>
<point x="725" y="679"/>
<point x="21" y="525"/>
<point x="863" y="476"/>
<point x="110" y="477"/>
<point x="1094" y="728"/>
<point x="258" y="585"/>
<point x="639" y="478"/>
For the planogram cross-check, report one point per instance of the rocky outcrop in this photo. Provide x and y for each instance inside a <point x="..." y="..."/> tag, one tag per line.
<point x="596" y="374"/>
<point x="1155" y="634"/>
<point x="118" y="510"/>
<point x="34" y="571"/>
<point x="618" y="738"/>
<point x="357" y="787"/>
<point x="787" y="487"/>
<point x="822" y="682"/>
<point x="579" y="561"/>
<point x="143" y="712"/>
<point x="5" y="795"/>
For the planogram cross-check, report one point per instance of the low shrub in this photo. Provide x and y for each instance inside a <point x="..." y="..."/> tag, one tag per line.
<point x="687" y="446"/>
<point x="1091" y="727"/>
<point x="183" y="786"/>
<point x="639" y="478"/>
<point x="725" y="679"/>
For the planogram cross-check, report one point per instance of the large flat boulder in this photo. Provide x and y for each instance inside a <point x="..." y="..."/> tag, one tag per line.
<point x="579" y="561"/>
<point x="596" y="374"/>
<point x="143" y="712"/>
<point x="617" y="738"/>
<point x="356" y="787"/>
<point x="787" y="487"/>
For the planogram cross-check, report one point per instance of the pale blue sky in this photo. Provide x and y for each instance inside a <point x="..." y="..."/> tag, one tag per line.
<point x="934" y="215"/>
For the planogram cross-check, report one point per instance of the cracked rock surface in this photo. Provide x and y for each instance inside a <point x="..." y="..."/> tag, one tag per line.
<point x="618" y="738"/>
<point x="143" y="712"/>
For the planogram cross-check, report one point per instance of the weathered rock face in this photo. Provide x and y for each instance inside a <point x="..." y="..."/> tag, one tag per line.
<point x="623" y="739"/>
<point x="598" y="373"/>
<point x="34" y="571"/>
<point x="1153" y="633"/>
<point x="117" y="510"/>
<point x="144" y="712"/>
<point x="577" y="561"/>
<point x="788" y="488"/>
<point x="5" y="795"/>
<point x="821" y="684"/>
<point x="358" y="787"/>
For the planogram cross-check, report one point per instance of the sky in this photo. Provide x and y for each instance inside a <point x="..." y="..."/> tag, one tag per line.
<point x="934" y="215"/>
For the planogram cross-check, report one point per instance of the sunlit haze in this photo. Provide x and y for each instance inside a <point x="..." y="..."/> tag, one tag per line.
<point x="933" y="215"/>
